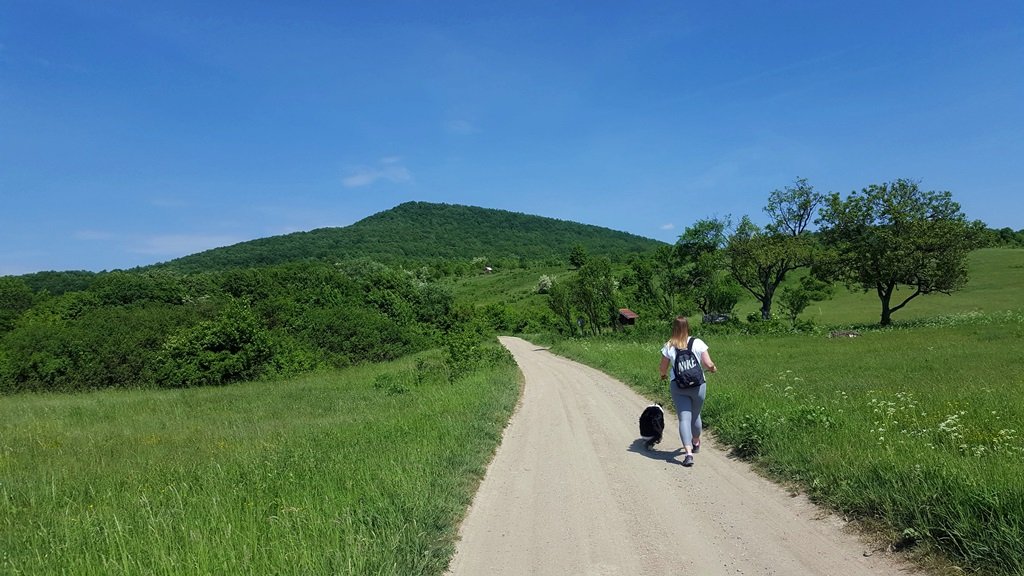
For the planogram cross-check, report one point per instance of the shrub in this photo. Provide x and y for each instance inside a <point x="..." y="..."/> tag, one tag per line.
<point x="97" y="348"/>
<point x="232" y="347"/>
<point x="391" y="383"/>
<point x="544" y="284"/>
<point x="461" y="352"/>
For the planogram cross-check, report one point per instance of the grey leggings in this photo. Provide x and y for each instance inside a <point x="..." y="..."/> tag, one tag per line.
<point x="688" y="404"/>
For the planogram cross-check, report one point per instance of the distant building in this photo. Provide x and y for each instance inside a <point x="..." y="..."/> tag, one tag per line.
<point x="627" y="316"/>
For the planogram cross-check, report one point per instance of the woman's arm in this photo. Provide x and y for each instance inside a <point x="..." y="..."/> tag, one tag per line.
<point x="705" y="359"/>
<point x="663" y="368"/>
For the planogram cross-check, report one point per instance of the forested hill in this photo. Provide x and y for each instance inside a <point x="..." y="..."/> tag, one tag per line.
<point x="422" y="231"/>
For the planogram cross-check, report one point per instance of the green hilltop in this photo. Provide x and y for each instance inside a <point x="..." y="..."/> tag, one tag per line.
<point x="423" y="231"/>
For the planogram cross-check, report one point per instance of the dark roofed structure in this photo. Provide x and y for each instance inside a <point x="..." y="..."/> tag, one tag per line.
<point x="627" y="316"/>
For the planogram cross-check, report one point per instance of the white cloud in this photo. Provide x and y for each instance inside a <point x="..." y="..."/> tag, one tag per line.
<point x="182" y="244"/>
<point x="460" y="127"/>
<point x="390" y="169"/>
<point x="668" y="226"/>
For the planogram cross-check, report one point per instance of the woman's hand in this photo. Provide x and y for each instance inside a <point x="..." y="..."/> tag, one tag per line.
<point x="708" y="363"/>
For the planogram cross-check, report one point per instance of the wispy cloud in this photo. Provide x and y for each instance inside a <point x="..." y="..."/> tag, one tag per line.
<point x="460" y="127"/>
<point x="390" y="169"/>
<point x="181" y="244"/>
<point x="668" y="226"/>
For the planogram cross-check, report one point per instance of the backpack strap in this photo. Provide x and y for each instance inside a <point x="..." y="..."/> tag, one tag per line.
<point x="689" y="344"/>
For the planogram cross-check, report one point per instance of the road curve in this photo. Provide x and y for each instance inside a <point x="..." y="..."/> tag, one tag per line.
<point x="572" y="491"/>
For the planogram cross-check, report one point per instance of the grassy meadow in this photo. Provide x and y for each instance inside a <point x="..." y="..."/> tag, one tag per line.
<point x="368" y="470"/>
<point x="504" y="285"/>
<point x="362" y="471"/>
<point x="996" y="283"/>
<point x="918" y="428"/>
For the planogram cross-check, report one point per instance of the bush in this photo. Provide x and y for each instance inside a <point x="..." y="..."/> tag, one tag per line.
<point x="757" y="325"/>
<point x="159" y="328"/>
<point x="232" y="347"/>
<point x="98" y="348"/>
<point x="391" y="383"/>
<point x="461" y="352"/>
<point x="544" y="284"/>
<point x="347" y="336"/>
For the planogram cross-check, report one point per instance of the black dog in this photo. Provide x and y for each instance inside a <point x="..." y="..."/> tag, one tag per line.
<point x="652" y="425"/>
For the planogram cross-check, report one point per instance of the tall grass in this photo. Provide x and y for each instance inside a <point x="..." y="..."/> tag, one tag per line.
<point x="921" y="429"/>
<point x="363" y="471"/>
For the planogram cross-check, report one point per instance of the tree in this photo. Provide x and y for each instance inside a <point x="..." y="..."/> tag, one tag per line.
<point x="578" y="256"/>
<point x="760" y="259"/>
<point x="792" y="208"/>
<point x="700" y="260"/>
<point x="594" y="293"/>
<point x="665" y="293"/>
<point x="15" y="298"/>
<point x="796" y="299"/>
<point x="895" y="234"/>
<point x="560" y="302"/>
<point x="646" y="283"/>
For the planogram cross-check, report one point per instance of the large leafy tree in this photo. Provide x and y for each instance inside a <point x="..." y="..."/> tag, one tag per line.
<point x="594" y="293"/>
<point x="649" y="283"/>
<point x="792" y="208"/>
<point x="699" y="272"/>
<point x="578" y="256"/>
<point x="560" y="302"/>
<point x="895" y="235"/>
<point x="760" y="259"/>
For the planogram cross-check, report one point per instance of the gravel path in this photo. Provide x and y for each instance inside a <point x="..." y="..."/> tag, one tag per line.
<point x="571" y="490"/>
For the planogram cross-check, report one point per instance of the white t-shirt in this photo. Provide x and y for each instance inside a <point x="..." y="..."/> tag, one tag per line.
<point x="669" y="351"/>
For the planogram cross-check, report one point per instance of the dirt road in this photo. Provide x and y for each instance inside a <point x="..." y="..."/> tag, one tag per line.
<point x="571" y="491"/>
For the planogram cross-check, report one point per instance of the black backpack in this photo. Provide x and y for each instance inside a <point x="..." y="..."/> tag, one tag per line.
<point x="686" y="369"/>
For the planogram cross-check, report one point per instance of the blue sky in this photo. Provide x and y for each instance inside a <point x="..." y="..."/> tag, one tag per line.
<point x="136" y="132"/>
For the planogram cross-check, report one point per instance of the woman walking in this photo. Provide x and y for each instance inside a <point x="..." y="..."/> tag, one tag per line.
<point x="688" y="400"/>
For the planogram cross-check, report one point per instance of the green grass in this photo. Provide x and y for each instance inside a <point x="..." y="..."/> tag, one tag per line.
<point x="921" y="429"/>
<point x="507" y="300"/>
<point x="368" y="470"/>
<point x="996" y="283"/>
<point x="363" y="471"/>
<point x="504" y="285"/>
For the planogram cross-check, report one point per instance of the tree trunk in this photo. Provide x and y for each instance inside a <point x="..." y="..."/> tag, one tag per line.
<point x="885" y="296"/>
<point x="886" y="316"/>
<point x="766" y="302"/>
